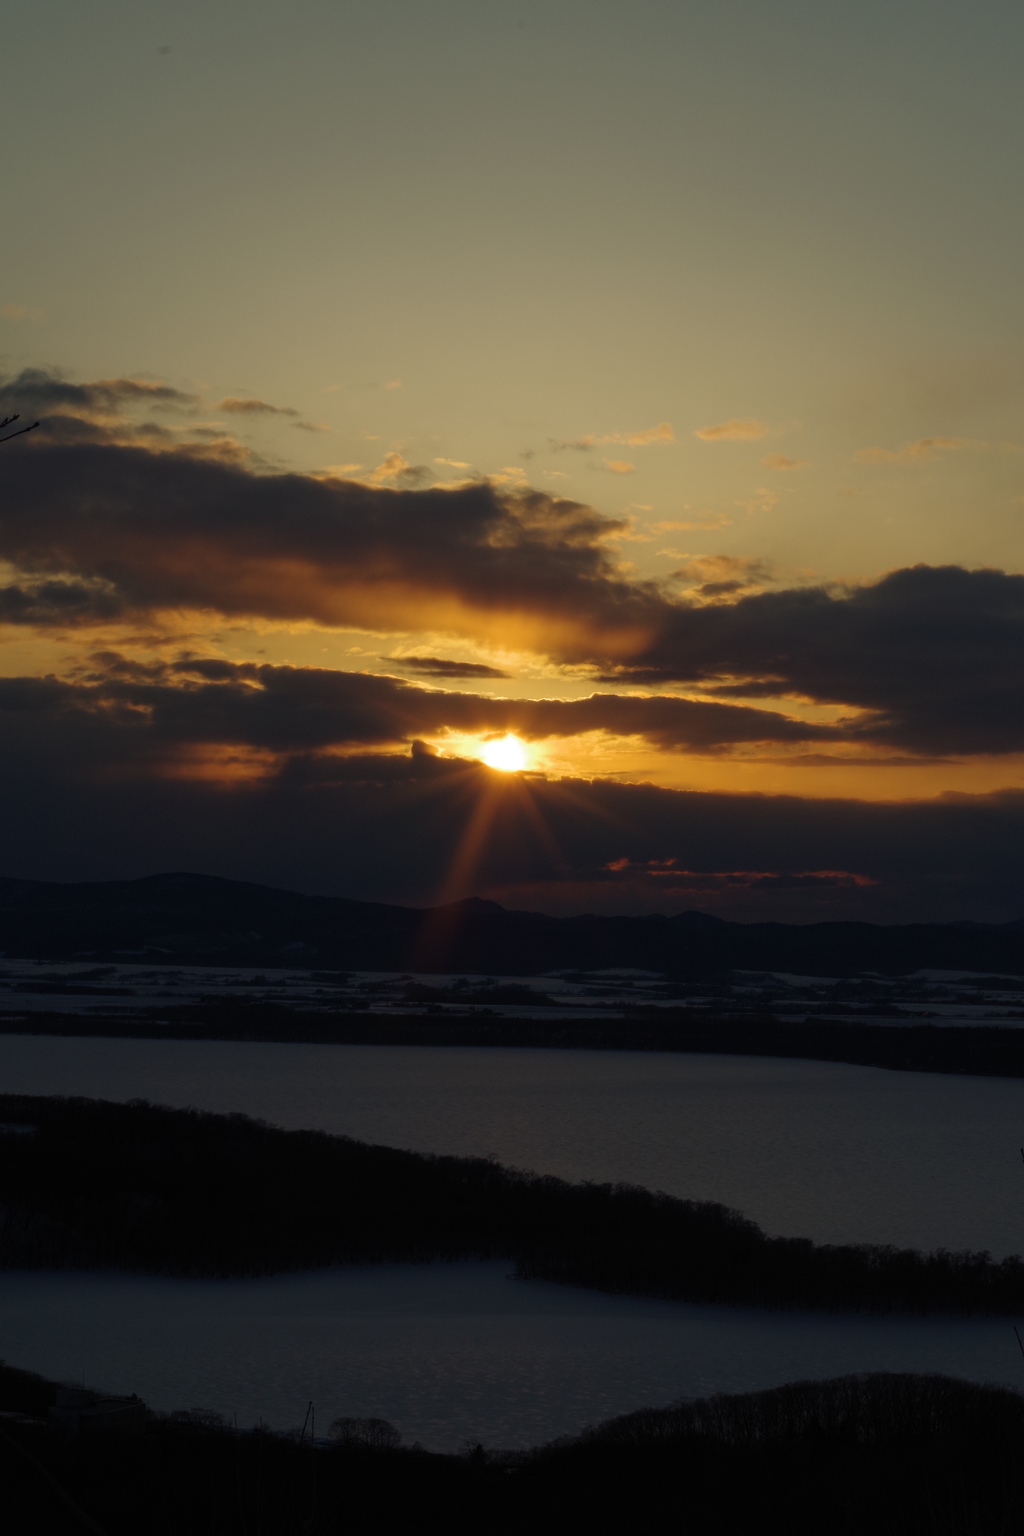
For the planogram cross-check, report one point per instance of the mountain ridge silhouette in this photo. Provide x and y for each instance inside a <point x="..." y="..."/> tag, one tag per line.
<point x="182" y="917"/>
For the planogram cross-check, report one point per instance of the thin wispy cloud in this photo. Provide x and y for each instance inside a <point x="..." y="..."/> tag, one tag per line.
<point x="662" y="435"/>
<point x="736" y="430"/>
<point x="709" y="521"/>
<point x="763" y="500"/>
<point x="440" y="666"/>
<point x="914" y="453"/>
<point x="236" y="405"/>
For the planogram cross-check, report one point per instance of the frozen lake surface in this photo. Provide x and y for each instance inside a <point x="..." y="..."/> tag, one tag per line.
<point x="836" y="1153"/>
<point x="448" y="1353"/>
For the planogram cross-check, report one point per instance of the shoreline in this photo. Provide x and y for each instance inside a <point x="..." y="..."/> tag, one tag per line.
<point x="980" y="1050"/>
<point x="89" y="1184"/>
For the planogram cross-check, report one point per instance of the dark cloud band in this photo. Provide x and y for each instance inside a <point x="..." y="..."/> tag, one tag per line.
<point x="134" y="713"/>
<point x="926" y="660"/>
<point x="406" y="827"/>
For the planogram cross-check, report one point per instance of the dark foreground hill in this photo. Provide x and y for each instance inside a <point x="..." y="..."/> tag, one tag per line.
<point x="196" y="919"/>
<point x="914" y="1455"/>
<point x="85" y="1184"/>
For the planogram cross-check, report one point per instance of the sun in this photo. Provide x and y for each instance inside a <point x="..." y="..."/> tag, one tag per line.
<point x="508" y="754"/>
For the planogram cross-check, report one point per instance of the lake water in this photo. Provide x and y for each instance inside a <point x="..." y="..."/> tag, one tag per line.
<point x="836" y="1153"/>
<point x="451" y="1353"/>
<point x="448" y="1353"/>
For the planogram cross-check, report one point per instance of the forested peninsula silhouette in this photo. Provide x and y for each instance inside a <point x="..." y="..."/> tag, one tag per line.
<point x="88" y="1184"/>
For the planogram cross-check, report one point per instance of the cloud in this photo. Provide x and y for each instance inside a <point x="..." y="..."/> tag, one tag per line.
<point x="619" y="466"/>
<point x="780" y="461"/>
<point x="661" y="434"/>
<point x="712" y="520"/>
<point x="927" y="660"/>
<point x="123" y="411"/>
<point x="383" y="826"/>
<point x="511" y="475"/>
<point x="913" y="453"/>
<point x="159" y="713"/>
<point x="118" y="412"/>
<point x="438" y="666"/>
<point x="934" y="657"/>
<point x="21" y="312"/>
<point x="250" y="407"/>
<point x="454" y="463"/>
<point x="166" y="532"/>
<point x="714" y="578"/>
<point x="734" y="430"/>
<point x="396" y="470"/>
<point x="763" y="500"/>
<point x="712" y="882"/>
<point x="43" y="392"/>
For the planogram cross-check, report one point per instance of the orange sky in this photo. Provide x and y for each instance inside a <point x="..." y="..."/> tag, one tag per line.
<point x="644" y="386"/>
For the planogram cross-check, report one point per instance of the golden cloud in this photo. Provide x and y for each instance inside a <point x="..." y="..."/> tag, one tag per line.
<point x="723" y="578"/>
<point x="735" y="430"/>
<point x="662" y="433"/>
<point x="713" y="520"/>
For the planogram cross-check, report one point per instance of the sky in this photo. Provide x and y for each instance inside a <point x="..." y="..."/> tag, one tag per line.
<point x="627" y="396"/>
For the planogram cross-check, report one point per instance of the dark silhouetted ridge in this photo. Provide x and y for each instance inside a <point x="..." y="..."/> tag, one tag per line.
<point x="199" y="919"/>
<point x="887" y="1454"/>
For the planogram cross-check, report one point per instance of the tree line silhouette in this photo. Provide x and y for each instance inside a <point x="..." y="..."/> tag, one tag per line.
<point x="975" y="1049"/>
<point x="913" y="1455"/>
<point x="88" y="1184"/>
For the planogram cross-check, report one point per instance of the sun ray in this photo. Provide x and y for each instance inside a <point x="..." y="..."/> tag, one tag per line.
<point x="470" y="844"/>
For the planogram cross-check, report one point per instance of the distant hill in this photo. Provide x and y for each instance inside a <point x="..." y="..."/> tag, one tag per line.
<point x="192" y="919"/>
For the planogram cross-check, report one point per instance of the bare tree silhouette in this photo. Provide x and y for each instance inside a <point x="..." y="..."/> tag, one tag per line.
<point x="9" y="421"/>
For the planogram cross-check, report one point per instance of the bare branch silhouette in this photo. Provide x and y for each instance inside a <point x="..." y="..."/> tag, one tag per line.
<point x="8" y="421"/>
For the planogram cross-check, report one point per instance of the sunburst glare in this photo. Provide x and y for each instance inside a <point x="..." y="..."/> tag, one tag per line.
<point x="508" y="754"/>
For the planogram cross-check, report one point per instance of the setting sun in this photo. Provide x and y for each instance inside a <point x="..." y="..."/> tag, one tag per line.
<point x="508" y="754"/>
